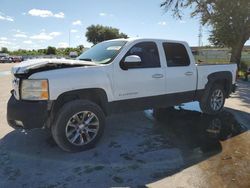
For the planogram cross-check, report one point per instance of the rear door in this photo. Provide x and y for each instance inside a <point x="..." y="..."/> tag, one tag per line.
<point x="181" y="72"/>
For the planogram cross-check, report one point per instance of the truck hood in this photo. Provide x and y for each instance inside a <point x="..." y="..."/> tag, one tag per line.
<point x="31" y="66"/>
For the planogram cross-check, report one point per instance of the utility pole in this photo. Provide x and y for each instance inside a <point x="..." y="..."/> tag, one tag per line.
<point x="200" y="40"/>
<point x="200" y="36"/>
<point x="69" y="36"/>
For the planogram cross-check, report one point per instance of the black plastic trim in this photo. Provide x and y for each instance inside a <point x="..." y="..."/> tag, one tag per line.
<point x="223" y="77"/>
<point x="33" y="114"/>
<point x="159" y="101"/>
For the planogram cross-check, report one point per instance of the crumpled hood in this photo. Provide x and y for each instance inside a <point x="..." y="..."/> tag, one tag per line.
<point x="26" y="66"/>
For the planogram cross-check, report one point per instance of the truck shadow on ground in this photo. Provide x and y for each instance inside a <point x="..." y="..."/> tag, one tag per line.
<point x="135" y="150"/>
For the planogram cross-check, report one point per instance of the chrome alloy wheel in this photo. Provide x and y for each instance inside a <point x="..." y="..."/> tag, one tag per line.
<point x="82" y="128"/>
<point x="217" y="99"/>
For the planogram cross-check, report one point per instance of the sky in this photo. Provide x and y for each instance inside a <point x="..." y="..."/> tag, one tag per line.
<point x="36" y="24"/>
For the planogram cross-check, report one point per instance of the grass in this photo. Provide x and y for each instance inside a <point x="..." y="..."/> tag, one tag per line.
<point x="244" y="64"/>
<point x="212" y="60"/>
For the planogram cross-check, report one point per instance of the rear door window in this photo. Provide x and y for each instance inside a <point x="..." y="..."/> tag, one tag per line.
<point x="176" y="55"/>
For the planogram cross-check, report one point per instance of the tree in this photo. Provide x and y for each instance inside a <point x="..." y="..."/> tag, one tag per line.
<point x="4" y="50"/>
<point x="80" y="48"/>
<point x="99" y="33"/>
<point x="51" y="50"/>
<point x="230" y="21"/>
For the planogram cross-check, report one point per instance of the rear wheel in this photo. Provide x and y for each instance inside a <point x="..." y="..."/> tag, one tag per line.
<point x="78" y="126"/>
<point x="213" y="102"/>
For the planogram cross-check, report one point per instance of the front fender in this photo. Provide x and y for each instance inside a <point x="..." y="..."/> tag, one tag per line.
<point x="78" y="78"/>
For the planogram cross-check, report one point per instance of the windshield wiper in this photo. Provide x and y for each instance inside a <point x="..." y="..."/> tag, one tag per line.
<point x="85" y="59"/>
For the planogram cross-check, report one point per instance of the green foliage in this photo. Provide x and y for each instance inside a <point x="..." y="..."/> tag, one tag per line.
<point x="80" y="48"/>
<point x="230" y="20"/>
<point x="244" y="66"/>
<point x="63" y="52"/>
<point x="99" y="33"/>
<point x="231" y="23"/>
<point x="4" y="50"/>
<point x="51" y="50"/>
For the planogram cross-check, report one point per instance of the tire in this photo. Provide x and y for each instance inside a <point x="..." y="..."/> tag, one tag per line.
<point x="78" y="126"/>
<point x="213" y="101"/>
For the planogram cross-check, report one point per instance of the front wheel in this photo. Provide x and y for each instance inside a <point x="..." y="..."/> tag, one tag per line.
<point x="78" y="126"/>
<point x="214" y="101"/>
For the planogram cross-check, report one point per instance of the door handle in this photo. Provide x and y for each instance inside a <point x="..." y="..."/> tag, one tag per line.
<point x="157" y="76"/>
<point x="189" y="73"/>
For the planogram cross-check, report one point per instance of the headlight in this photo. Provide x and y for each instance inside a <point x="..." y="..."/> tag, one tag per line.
<point x="35" y="90"/>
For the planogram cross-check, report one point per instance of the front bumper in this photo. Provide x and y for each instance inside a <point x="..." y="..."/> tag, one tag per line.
<point x="26" y="114"/>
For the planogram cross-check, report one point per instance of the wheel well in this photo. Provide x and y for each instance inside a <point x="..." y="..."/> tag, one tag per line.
<point x="223" y="78"/>
<point x="226" y="85"/>
<point x="95" y="95"/>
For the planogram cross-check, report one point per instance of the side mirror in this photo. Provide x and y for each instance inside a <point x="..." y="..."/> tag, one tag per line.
<point x="131" y="61"/>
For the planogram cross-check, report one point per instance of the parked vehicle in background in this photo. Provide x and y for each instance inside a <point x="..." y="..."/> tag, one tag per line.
<point x="4" y="58"/>
<point x="17" y="59"/>
<point x="73" y="55"/>
<point x="4" y="55"/>
<point x="72" y="97"/>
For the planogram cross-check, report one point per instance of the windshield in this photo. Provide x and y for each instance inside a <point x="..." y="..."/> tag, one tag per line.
<point x="102" y="53"/>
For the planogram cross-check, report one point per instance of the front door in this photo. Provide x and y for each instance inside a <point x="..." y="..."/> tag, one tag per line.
<point x="144" y="80"/>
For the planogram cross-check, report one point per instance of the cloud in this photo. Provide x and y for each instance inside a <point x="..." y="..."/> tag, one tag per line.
<point x="41" y="13"/>
<point x="182" y="21"/>
<point x="15" y="47"/>
<point x="63" y="44"/>
<point x="41" y="36"/>
<point x="103" y="14"/>
<point x="4" y="42"/>
<point x="163" y="23"/>
<point x="55" y="34"/>
<point x="45" y="36"/>
<point x="59" y="15"/>
<point x="77" y="22"/>
<point x="27" y="42"/>
<point x="45" y="13"/>
<point x="3" y="38"/>
<point x="6" y="18"/>
<point x="73" y="31"/>
<point x="16" y="30"/>
<point x="20" y="35"/>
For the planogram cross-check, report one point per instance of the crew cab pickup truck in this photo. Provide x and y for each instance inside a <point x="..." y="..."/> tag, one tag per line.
<point x="72" y="97"/>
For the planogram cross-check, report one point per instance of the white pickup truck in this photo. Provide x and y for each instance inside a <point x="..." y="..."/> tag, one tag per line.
<point x="72" y="97"/>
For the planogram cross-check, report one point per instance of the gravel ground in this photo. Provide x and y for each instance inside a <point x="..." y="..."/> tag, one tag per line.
<point x="184" y="149"/>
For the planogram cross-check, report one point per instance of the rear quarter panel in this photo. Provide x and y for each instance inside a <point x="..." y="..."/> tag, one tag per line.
<point x="205" y="70"/>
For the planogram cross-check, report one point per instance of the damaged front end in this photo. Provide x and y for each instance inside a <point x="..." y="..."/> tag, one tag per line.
<point x="29" y="104"/>
<point x="27" y="68"/>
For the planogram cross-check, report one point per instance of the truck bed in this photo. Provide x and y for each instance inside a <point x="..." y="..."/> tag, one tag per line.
<point x="203" y="70"/>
